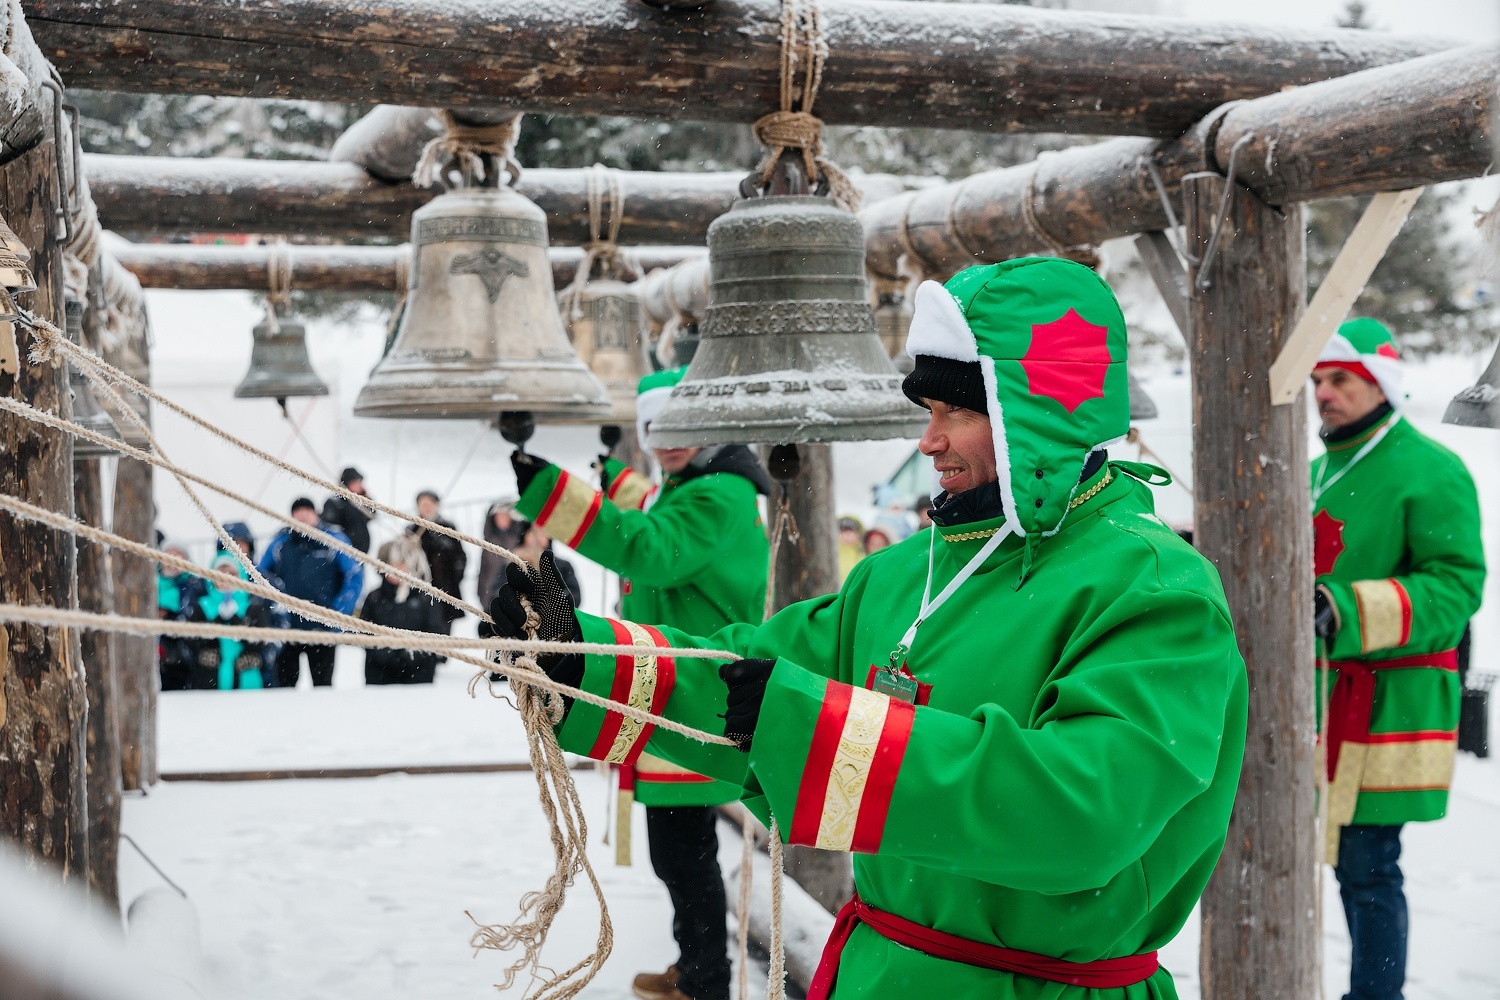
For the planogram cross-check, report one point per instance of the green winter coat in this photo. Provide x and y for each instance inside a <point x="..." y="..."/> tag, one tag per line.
<point x="1064" y="790"/>
<point x="697" y="557"/>
<point x="1397" y="547"/>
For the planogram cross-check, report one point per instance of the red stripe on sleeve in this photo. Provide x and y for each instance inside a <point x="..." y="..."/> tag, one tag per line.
<point x="1405" y="611"/>
<point x="618" y="691"/>
<point x="666" y="677"/>
<point x="558" y="488"/>
<point x="617" y="482"/>
<point x="807" y="816"/>
<point x="869" y="825"/>
<point x="587" y="523"/>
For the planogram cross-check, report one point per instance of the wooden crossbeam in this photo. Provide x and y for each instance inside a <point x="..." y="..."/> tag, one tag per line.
<point x="894" y="64"/>
<point x="1356" y="261"/>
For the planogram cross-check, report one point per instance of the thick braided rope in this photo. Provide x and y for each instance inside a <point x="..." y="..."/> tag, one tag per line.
<point x="467" y="145"/>
<point x="50" y="340"/>
<point x="742" y="904"/>
<point x="802" y="44"/>
<point x="27" y="411"/>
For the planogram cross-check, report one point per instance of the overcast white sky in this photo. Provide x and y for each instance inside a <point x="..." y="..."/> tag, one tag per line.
<point x="1466" y="20"/>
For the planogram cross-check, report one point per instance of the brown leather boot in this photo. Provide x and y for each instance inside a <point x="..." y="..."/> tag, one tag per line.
<point x="658" y="985"/>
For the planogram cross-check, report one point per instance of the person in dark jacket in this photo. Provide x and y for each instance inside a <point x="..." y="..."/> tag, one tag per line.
<point x="310" y="570"/>
<point x="445" y="555"/>
<point x="348" y="516"/>
<point x="397" y="604"/>
<point x="502" y="527"/>
<point x="177" y="594"/>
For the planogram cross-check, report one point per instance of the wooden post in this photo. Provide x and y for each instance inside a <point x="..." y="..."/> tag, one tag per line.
<point x="96" y="593"/>
<point x="42" y="752"/>
<point x="135" y="595"/>
<point x="1252" y="519"/>
<point x="805" y="568"/>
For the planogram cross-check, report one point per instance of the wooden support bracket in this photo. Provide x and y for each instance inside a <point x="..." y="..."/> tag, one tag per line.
<point x="1165" y="267"/>
<point x="1335" y="296"/>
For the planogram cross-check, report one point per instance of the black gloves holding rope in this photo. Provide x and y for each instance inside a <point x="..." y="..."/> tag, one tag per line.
<point x="746" y="680"/>
<point x="543" y="589"/>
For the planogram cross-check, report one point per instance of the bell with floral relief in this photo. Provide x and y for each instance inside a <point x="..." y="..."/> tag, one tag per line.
<point x="279" y="365"/>
<point x="789" y="352"/>
<point x="1479" y="404"/>
<point x="86" y="408"/>
<point x="481" y="332"/>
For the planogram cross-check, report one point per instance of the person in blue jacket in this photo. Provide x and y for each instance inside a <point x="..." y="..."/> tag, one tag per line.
<point x="301" y="567"/>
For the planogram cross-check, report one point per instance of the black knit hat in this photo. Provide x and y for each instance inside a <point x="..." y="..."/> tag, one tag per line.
<point x="957" y="383"/>
<point x="349" y="475"/>
<point x="302" y="502"/>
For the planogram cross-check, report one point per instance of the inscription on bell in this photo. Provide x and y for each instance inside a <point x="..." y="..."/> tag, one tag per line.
<point x="501" y="229"/>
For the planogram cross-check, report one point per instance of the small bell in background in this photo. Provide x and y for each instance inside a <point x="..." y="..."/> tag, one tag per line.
<point x="789" y="352"/>
<point x="1142" y="406"/>
<point x="279" y="364"/>
<point x="86" y="408"/>
<point x="1479" y="404"/>
<point x="604" y="322"/>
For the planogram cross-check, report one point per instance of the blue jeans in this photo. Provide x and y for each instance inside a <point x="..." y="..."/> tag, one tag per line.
<point x="1369" y="874"/>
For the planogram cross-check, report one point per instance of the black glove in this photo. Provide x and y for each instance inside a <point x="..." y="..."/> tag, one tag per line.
<point x="603" y="467"/>
<point x="544" y="589"/>
<point x="526" y="466"/>
<point x="747" y="680"/>
<point x="1325" y="620"/>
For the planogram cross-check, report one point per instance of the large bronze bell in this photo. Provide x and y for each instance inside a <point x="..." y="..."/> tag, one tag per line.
<point x="279" y="365"/>
<point x="607" y="331"/>
<point x="789" y="351"/>
<point x="481" y="332"/>
<point x="86" y="408"/>
<point x="1479" y="404"/>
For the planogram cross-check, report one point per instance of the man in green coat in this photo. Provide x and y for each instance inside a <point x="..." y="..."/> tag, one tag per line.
<point x="1026" y="722"/>
<point x="1400" y="569"/>
<point x="692" y="552"/>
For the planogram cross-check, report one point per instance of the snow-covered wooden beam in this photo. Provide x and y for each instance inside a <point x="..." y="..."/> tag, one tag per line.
<point x="983" y="67"/>
<point x="162" y="196"/>
<point x="1420" y="122"/>
<point x="350" y="269"/>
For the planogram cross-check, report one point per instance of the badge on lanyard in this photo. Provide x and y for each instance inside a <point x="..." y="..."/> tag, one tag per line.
<point x="895" y="680"/>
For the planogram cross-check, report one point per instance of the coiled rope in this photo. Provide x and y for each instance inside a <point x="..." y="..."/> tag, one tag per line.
<point x="468" y="146"/>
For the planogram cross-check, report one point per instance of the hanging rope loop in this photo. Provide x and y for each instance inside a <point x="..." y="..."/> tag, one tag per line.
<point x="278" y="282"/>
<point x="603" y="246"/>
<point x="468" y="147"/>
<point x="794" y="126"/>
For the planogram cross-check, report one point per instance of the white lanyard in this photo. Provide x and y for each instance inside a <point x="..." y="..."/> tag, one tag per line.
<point x="1320" y="487"/>
<point x="930" y="604"/>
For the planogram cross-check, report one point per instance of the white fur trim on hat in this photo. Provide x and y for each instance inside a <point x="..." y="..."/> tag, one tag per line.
<point x="1389" y="372"/>
<point x="938" y="327"/>
<point x="647" y="405"/>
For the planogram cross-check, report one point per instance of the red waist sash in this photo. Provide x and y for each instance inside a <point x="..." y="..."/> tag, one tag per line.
<point x="1100" y="974"/>
<point x="1352" y="699"/>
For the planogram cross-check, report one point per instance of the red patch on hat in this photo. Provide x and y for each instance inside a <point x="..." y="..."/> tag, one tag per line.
<point x="1067" y="360"/>
<point x="1388" y="351"/>
<point x="1328" y="542"/>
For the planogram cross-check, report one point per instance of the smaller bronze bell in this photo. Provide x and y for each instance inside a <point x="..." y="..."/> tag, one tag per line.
<point x="1479" y="404"/>
<point x="15" y="267"/>
<point x="1142" y="406"/>
<point x="279" y="365"/>
<point x="605" y="325"/>
<point x="86" y="408"/>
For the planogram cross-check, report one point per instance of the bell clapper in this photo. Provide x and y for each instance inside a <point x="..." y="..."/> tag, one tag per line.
<point x="610" y="436"/>
<point x="517" y="426"/>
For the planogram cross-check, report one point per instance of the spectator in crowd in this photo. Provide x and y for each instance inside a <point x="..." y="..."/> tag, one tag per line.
<point x="239" y="532"/>
<point x="176" y="595"/>
<point x="851" y="545"/>
<point x="307" y="569"/>
<point x="445" y="555"/>
<point x="396" y="604"/>
<point x="889" y="528"/>
<point x="348" y="516"/>
<point x="503" y="528"/>
<point x="226" y="664"/>
<point x="923" y="509"/>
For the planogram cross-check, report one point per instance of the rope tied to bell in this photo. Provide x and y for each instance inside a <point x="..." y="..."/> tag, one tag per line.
<point x="603" y="245"/>
<point x="278" y="282"/>
<point x="467" y="146"/>
<point x="794" y="126"/>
